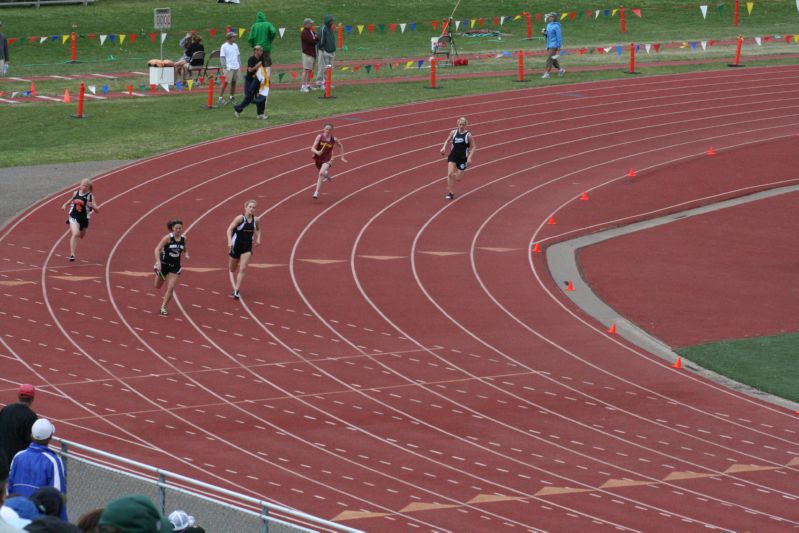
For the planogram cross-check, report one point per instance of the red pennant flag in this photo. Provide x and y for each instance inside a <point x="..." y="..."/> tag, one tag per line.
<point x="496" y="21"/>
<point x="481" y="22"/>
<point x="600" y="50"/>
<point x="767" y="38"/>
<point x="589" y="14"/>
<point x="201" y="80"/>
<point x="356" y="68"/>
<point x="92" y="36"/>
<point x="637" y="12"/>
<point x="392" y="27"/>
<point x="293" y="74"/>
<point x="227" y="29"/>
<point x="132" y="38"/>
<point x="711" y="43"/>
<point x="212" y="31"/>
<point x="377" y="67"/>
<point x="572" y="15"/>
<point x="371" y="28"/>
<point x="538" y="17"/>
<point x="33" y="39"/>
<point x="787" y="39"/>
<point x="434" y="23"/>
<point x="582" y="51"/>
<point x="152" y="38"/>
<point x="12" y="40"/>
<point x="656" y="47"/>
<point x="444" y="25"/>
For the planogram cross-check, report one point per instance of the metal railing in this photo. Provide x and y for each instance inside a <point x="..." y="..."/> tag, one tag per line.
<point x="95" y="477"/>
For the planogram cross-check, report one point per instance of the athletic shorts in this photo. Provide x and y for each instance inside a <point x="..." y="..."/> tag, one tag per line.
<point x="82" y="223"/>
<point x="460" y="163"/>
<point x="319" y="162"/>
<point x="308" y="62"/>
<point x="169" y="268"/>
<point x="233" y="75"/>
<point x="238" y="249"/>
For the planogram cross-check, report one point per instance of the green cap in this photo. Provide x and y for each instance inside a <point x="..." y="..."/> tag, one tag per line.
<point x="135" y="514"/>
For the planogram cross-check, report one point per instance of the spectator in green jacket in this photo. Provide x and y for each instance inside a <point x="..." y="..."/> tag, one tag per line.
<point x="327" y="50"/>
<point x="263" y="33"/>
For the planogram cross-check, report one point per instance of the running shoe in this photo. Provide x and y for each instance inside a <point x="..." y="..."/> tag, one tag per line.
<point x="71" y="258"/>
<point x="449" y="196"/>
<point x="237" y="114"/>
<point x="561" y="72"/>
<point x="236" y="295"/>
<point x="546" y="75"/>
<point x="163" y="311"/>
<point x="316" y="196"/>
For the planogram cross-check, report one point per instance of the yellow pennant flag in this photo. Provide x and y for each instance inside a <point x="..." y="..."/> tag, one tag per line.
<point x="517" y="17"/>
<point x="796" y="38"/>
<point x="563" y="15"/>
<point x="613" y="14"/>
<point x="344" y="68"/>
<point x="241" y="32"/>
<point x="409" y="64"/>
<point x="360" y="29"/>
<point x="122" y="38"/>
<point x="64" y="38"/>
<point x="473" y="23"/>
<point x="190" y="83"/>
<point x="749" y="6"/>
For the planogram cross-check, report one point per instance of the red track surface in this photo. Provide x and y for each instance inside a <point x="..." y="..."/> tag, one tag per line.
<point x="398" y="362"/>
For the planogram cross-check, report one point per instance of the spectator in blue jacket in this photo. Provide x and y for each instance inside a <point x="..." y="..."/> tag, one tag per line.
<point x="554" y="43"/>
<point x="38" y="466"/>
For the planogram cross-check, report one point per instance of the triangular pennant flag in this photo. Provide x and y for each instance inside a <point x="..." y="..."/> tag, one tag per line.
<point x="360" y="28"/>
<point x="282" y="31"/>
<point x="105" y="89"/>
<point x="112" y="37"/>
<point x="67" y="99"/>
<point x="371" y="28"/>
<point x="409" y="64"/>
<point x="102" y="39"/>
<point x="759" y="41"/>
<point x="609" y="48"/>
<point x="179" y="86"/>
<point x="54" y="38"/>
<point x="132" y="37"/>
<point x="356" y="68"/>
<point x="563" y="15"/>
<point x="457" y="24"/>
<point x="572" y="15"/>
<point x="413" y="26"/>
<point x="657" y="48"/>
<point x="619" y="50"/>
<point x="704" y="45"/>
<point x="496" y="19"/>
<point x="242" y="31"/>
<point x="636" y="11"/>
<point x="647" y="47"/>
<point x="517" y="17"/>
<point x="163" y="38"/>
<point x="152" y="37"/>
<point x="122" y="38"/>
<point x="607" y="12"/>
<point x="703" y="9"/>
<point x="419" y="63"/>
<point x="212" y="32"/>
<point x="435" y="23"/>
<point x="377" y="67"/>
<point x="190" y="83"/>
<point x="749" y="6"/>
<point x="92" y="89"/>
<point x="472" y="23"/>
<point x="596" y="14"/>
<point x="165" y="86"/>
<point x="796" y="37"/>
<point x="293" y="75"/>
<point x="503" y="18"/>
<point x="280" y="76"/>
<point x="64" y="38"/>
<point x="797" y="5"/>
<point x="402" y="27"/>
<point x="693" y="45"/>
<point x="393" y="27"/>
<point x="381" y="28"/>
<point x="613" y="14"/>
<point x="368" y="69"/>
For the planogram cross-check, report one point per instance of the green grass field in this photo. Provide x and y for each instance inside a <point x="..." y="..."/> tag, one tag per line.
<point x="139" y="127"/>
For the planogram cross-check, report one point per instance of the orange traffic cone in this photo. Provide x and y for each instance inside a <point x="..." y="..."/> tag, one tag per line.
<point x="536" y="248"/>
<point x="33" y="89"/>
<point x="711" y="151"/>
<point x="551" y="221"/>
<point x="569" y="286"/>
<point x="67" y="99"/>
<point x="584" y="196"/>
<point x="612" y="328"/>
<point x="631" y="174"/>
<point x="678" y="363"/>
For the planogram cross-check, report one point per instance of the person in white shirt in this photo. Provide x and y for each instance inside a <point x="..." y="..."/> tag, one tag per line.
<point x="231" y="65"/>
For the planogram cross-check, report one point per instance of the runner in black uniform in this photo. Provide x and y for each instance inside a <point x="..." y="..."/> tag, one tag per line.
<point x="80" y="205"/>
<point x="460" y="155"/>
<point x="239" y="241"/>
<point x="167" y="260"/>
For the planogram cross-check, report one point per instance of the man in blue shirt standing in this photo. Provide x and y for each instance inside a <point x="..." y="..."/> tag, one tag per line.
<point x="554" y="43"/>
<point x="38" y="466"/>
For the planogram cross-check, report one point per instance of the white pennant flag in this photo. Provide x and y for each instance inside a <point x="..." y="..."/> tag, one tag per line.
<point x="102" y="39"/>
<point x="165" y="86"/>
<point x="704" y="45"/>
<point x="92" y="89"/>
<point x="42" y="39"/>
<point x="163" y="38"/>
<point x="759" y="41"/>
<point x="402" y="27"/>
<point x="704" y="11"/>
<point x="648" y="47"/>
<point x="596" y="15"/>
<point x="457" y="24"/>
<point x="503" y="17"/>
<point x="608" y="49"/>
<point x="14" y="94"/>
<point x="282" y="31"/>
<point x="797" y="5"/>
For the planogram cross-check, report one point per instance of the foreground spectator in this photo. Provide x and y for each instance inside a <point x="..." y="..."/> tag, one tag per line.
<point x="16" y="420"/>
<point x="184" y="523"/>
<point x="89" y="522"/>
<point x="51" y="524"/>
<point x="49" y="501"/>
<point x="19" y="511"/>
<point x="5" y="527"/>
<point x="133" y="514"/>
<point x="38" y="466"/>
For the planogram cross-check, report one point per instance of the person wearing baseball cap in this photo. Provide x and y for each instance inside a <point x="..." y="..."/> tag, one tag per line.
<point x="554" y="38"/>
<point x="309" y="40"/>
<point x="38" y="466"/>
<point x="16" y="420"/>
<point x="133" y="514"/>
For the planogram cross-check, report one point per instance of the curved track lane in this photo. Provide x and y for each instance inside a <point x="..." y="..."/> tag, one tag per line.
<point x="400" y="362"/>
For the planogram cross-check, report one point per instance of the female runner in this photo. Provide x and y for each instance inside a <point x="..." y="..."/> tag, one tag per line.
<point x="80" y="206"/>
<point x="322" y="149"/>
<point x="460" y="155"/>
<point x="167" y="260"/>
<point x="239" y="241"/>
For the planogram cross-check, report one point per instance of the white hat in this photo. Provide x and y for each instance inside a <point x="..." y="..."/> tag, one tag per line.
<point x="42" y="429"/>
<point x="180" y="520"/>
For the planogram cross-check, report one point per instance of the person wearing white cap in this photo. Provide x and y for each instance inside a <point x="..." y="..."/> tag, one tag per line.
<point x="309" y="40"/>
<point x="38" y="466"/>
<point x="554" y="38"/>
<point x="184" y="523"/>
<point x="230" y="58"/>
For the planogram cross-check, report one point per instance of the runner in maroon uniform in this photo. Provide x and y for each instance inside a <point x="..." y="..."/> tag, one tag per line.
<point x="80" y="207"/>
<point x="322" y="149"/>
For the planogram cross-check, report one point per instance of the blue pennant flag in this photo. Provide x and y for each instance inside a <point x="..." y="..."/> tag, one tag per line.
<point x="618" y="50"/>
<point x="348" y="27"/>
<point x="105" y="89"/>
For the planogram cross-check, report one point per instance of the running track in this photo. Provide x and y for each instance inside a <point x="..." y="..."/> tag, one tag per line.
<point x="399" y="363"/>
